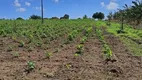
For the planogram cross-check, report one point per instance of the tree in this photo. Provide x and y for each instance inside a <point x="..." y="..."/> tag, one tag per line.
<point x="110" y="17"/>
<point x="19" y="18"/>
<point x="35" y="17"/>
<point x="78" y="18"/>
<point x="85" y="17"/>
<point x="137" y="11"/>
<point x="95" y="15"/>
<point x="66" y="16"/>
<point x="131" y="14"/>
<point x="98" y="15"/>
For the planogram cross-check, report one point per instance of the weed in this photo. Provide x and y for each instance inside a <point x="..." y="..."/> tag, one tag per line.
<point x="83" y="39"/>
<point x="48" y="54"/>
<point x="21" y="44"/>
<point x="15" y="54"/>
<point x="9" y="48"/>
<point x="76" y="54"/>
<point x="68" y="66"/>
<point x="80" y="49"/>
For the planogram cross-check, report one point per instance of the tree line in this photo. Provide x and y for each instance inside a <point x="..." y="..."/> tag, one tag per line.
<point x="97" y="15"/>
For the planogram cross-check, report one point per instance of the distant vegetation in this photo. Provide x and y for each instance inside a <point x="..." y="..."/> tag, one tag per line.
<point x="85" y="17"/>
<point x="66" y="16"/>
<point x="19" y="18"/>
<point x="98" y="15"/>
<point x="131" y="14"/>
<point x="35" y="17"/>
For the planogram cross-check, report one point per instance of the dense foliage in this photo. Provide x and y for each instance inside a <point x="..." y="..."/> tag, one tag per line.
<point x="35" y="17"/>
<point x="19" y="18"/>
<point x="66" y="16"/>
<point x="131" y="14"/>
<point x="98" y="15"/>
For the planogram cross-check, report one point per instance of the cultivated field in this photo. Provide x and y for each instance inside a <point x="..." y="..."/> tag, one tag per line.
<point x="69" y="50"/>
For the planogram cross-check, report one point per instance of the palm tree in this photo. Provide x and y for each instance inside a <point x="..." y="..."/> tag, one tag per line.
<point x="131" y="14"/>
<point x="137" y="11"/>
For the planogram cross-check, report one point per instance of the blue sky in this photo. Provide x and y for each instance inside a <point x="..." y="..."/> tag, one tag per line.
<point x="75" y="8"/>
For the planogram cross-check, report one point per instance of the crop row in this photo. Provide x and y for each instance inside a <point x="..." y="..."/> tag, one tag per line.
<point x="106" y="49"/>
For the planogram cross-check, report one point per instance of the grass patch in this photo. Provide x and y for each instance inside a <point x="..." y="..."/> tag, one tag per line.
<point x="135" y="48"/>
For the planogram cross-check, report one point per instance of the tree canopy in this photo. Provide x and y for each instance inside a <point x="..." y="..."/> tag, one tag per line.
<point x="19" y="18"/>
<point x="66" y="16"/>
<point x="98" y="15"/>
<point x="35" y="17"/>
<point x="85" y="17"/>
<point x="131" y="14"/>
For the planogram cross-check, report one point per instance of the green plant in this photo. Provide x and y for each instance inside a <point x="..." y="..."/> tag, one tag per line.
<point x="107" y="51"/>
<point x="14" y="38"/>
<point x="48" y="54"/>
<point x="72" y="35"/>
<point x="80" y="49"/>
<point x="9" y="48"/>
<point x="88" y="31"/>
<point x="76" y="54"/>
<point x="68" y="66"/>
<point x="21" y="43"/>
<point x="30" y="65"/>
<point x="38" y="44"/>
<point x="15" y="54"/>
<point x="83" y="39"/>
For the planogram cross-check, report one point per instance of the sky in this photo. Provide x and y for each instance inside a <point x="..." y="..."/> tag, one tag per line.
<point x="12" y="9"/>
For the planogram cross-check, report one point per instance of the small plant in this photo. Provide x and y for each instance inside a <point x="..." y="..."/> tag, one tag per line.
<point x="83" y="39"/>
<point x="68" y="66"/>
<point x="14" y="38"/>
<point x="76" y="55"/>
<point x="107" y="51"/>
<point x="70" y="37"/>
<point x="48" y="55"/>
<point x="30" y="65"/>
<point x="15" y="54"/>
<point x="88" y="31"/>
<point x="80" y="49"/>
<point x="21" y="44"/>
<point x="9" y="48"/>
<point x="38" y="44"/>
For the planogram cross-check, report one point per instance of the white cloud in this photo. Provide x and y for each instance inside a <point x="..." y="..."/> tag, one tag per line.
<point x="38" y="8"/>
<point x="27" y="4"/>
<point x="56" y="1"/>
<point x="21" y="10"/>
<point x="112" y="5"/>
<point x="102" y="4"/>
<point x="17" y="4"/>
